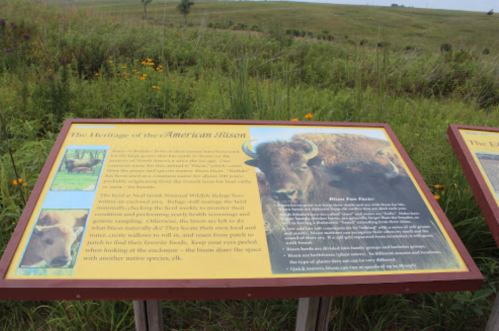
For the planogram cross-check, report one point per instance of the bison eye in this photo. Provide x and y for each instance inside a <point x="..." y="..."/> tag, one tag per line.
<point x="49" y="241"/>
<point x="304" y="167"/>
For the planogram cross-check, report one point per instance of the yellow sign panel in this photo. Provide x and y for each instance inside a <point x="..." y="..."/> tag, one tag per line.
<point x="167" y="201"/>
<point x="484" y="147"/>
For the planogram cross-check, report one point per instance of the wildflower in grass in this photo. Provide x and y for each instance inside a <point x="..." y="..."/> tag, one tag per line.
<point x="153" y="86"/>
<point x="439" y="187"/>
<point x="142" y="78"/>
<point x="309" y="116"/>
<point x="97" y="74"/>
<point x="110" y="61"/>
<point x="20" y="180"/>
<point x="144" y="75"/>
<point x="25" y="184"/>
<point x="18" y="53"/>
<point x="294" y="119"/>
<point x="26" y="37"/>
<point x="2" y="22"/>
<point x="158" y="88"/>
<point x="436" y="196"/>
<point x="8" y="50"/>
<point x="14" y="182"/>
<point x="13" y="25"/>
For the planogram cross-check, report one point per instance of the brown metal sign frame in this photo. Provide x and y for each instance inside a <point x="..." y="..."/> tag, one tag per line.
<point x="198" y="289"/>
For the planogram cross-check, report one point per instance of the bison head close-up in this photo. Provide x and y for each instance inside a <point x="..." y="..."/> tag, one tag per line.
<point x="289" y="167"/>
<point x="53" y="244"/>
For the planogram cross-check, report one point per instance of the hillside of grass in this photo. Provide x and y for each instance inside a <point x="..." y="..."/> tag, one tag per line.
<point x="59" y="62"/>
<point x="400" y="26"/>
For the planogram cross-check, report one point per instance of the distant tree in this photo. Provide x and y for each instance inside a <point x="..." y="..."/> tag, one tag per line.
<point x="491" y="12"/>
<point x="145" y="3"/>
<point x="184" y="7"/>
<point x="395" y="5"/>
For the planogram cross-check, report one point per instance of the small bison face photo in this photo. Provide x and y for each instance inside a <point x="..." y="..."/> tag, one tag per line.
<point x="53" y="239"/>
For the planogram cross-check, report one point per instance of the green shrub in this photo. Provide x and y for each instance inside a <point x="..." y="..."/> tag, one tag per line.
<point x="445" y="47"/>
<point x="240" y="26"/>
<point x="54" y="97"/>
<point x="219" y="25"/>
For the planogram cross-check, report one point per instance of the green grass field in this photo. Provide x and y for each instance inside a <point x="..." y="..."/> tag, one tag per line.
<point x="74" y="182"/>
<point x="87" y="59"/>
<point x="396" y="25"/>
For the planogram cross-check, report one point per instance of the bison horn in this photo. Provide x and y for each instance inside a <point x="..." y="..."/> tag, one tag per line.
<point x="314" y="150"/>
<point x="394" y="172"/>
<point x="248" y="151"/>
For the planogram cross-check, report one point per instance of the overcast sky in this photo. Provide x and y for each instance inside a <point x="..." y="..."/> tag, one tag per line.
<point x="479" y="5"/>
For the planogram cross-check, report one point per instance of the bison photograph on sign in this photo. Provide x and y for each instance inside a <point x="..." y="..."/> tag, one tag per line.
<point x="342" y="201"/>
<point x="79" y="170"/>
<point x="490" y="164"/>
<point x="55" y="240"/>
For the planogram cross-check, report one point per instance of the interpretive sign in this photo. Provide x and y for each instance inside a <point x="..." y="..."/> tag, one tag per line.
<point x="165" y="209"/>
<point x="477" y="149"/>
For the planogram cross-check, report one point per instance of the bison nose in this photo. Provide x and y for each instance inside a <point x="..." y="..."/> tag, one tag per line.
<point x="60" y="261"/>
<point x="284" y="195"/>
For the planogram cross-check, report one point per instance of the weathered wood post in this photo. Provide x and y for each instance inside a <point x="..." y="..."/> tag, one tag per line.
<point x="148" y="315"/>
<point x="313" y="314"/>
<point x="493" y="323"/>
